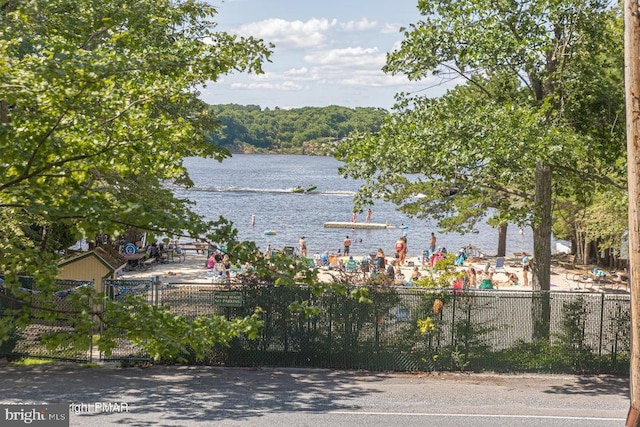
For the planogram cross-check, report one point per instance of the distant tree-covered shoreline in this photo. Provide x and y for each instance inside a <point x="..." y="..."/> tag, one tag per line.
<point x="307" y="130"/>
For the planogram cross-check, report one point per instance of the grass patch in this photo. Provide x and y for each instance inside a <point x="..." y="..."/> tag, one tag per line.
<point x="90" y="365"/>
<point x="32" y="361"/>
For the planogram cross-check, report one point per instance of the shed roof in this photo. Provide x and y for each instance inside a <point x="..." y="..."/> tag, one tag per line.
<point x="105" y="254"/>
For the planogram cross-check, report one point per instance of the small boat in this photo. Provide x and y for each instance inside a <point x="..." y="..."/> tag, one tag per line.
<point x="299" y="189"/>
<point x="269" y="232"/>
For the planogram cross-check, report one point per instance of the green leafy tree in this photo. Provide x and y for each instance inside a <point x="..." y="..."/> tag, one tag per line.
<point x="530" y="101"/>
<point x="98" y="107"/>
<point x="249" y="128"/>
<point x="605" y="221"/>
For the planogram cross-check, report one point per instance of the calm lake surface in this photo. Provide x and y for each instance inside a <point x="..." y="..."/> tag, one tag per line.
<point x="260" y="185"/>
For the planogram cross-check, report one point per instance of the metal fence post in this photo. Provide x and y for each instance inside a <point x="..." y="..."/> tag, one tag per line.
<point x="453" y="318"/>
<point x="105" y="300"/>
<point x="601" y="326"/>
<point x="377" y="332"/>
<point x="91" y="307"/>
<point x="330" y="330"/>
<point x="285" y="326"/>
<point x="155" y="293"/>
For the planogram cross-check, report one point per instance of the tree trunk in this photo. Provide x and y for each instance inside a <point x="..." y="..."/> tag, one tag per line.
<point x="579" y="246"/>
<point x="541" y="266"/>
<point x="632" y="95"/>
<point x="542" y="229"/>
<point x="587" y="251"/>
<point x="502" y="240"/>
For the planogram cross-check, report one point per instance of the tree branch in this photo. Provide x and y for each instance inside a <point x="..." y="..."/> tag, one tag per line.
<point x="592" y="177"/>
<point x="61" y="162"/>
<point x="469" y="79"/>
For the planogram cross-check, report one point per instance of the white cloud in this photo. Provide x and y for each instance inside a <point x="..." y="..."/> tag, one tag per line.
<point x="288" y="85"/>
<point x="350" y="57"/>
<point x="294" y="34"/>
<point x="296" y="71"/>
<point x="373" y="79"/>
<point x="391" y="28"/>
<point x="361" y="25"/>
<point x="320" y="60"/>
<point x="346" y="67"/>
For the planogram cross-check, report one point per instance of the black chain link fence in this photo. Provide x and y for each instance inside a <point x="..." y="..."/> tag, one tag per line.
<point x="49" y="315"/>
<point x="406" y="329"/>
<point x="118" y="290"/>
<point x="418" y="329"/>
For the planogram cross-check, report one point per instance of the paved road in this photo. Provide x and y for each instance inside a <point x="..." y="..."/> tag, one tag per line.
<point x="214" y="396"/>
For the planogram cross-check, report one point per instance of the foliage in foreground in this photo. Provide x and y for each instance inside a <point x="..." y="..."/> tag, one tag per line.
<point x="98" y="107"/>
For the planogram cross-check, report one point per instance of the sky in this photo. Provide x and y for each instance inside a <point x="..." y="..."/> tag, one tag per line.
<point x="326" y="52"/>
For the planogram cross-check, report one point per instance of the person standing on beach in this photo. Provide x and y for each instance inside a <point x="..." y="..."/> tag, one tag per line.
<point x="526" y="267"/>
<point x="347" y="245"/>
<point x="432" y="244"/>
<point x="354" y="217"/>
<point x="302" y="246"/>
<point x="401" y="250"/>
<point x="211" y="262"/>
<point x="472" y="279"/>
<point x="368" y="219"/>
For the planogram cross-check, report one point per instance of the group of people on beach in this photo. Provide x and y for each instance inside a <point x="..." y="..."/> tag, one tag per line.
<point x="379" y="264"/>
<point x="220" y="262"/>
<point x="486" y="280"/>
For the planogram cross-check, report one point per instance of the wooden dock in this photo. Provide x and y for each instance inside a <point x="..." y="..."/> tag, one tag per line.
<point x="359" y="225"/>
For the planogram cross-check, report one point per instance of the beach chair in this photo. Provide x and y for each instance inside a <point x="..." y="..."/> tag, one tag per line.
<point x="500" y="265"/>
<point x="334" y="261"/>
<point x="351" y="266"/>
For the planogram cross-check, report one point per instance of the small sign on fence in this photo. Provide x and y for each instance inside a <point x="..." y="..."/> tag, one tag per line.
<point x="227" y="299"/>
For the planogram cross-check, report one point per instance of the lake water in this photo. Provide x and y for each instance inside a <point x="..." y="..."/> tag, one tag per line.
<point x="260" y="185"/>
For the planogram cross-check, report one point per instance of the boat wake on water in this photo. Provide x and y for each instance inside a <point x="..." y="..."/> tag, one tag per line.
<point x="266" y="190"/>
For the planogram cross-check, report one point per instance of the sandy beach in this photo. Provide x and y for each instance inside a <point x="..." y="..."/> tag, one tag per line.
<point x="193" y="270"/>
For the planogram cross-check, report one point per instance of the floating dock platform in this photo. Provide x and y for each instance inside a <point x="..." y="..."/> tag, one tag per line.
<point x="361" y="225"/>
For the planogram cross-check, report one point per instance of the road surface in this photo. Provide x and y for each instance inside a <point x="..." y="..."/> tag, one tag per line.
<point x="217" y="396"/>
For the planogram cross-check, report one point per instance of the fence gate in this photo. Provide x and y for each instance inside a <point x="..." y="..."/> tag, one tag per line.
<point x="118" y="290"/>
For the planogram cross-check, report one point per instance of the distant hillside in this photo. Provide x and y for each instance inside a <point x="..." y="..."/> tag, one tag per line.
<point x="308" y="130"/>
